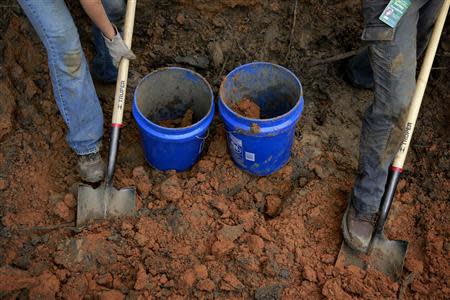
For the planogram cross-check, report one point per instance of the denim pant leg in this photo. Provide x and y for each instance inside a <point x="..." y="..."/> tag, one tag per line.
<point x="392" y="57"/>
<point x="72" y="83"/>
<point x="103" y="67"/>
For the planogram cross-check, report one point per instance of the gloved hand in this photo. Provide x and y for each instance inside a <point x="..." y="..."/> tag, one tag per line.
<point x="118" y="49"/>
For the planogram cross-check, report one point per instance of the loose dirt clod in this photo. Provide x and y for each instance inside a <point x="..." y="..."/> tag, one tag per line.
<point x="220" y="247"/>
<point x="255" y="244"/>
<point x="171" y="189"/>
<point x="309" y="274"/>
<point x="273" y="205"/>
<point x="3" y="184"/>
<point x="111" y="295"/>
<point x="189" y="278"/>
<point x="141" y="278"/>
<point x="206" y="285"/>
<point x="247" y="108"/>
<point x="201" y="271"/>
<point x="64" y="212"/>
<point x="232" y="282"/>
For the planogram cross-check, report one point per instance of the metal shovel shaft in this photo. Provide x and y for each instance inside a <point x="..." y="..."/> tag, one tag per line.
<point x="388" y="197"/>
<point x="113" y="146"/>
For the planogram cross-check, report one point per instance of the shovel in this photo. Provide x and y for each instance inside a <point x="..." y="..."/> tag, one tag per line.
<point x="106" y="201"/>
<point x="383" y="254"/>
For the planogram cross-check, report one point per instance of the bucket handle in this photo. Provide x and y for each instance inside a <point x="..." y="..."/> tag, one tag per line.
<point x="203" y="139"/>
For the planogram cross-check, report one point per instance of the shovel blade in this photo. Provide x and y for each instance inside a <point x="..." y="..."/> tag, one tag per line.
<point x="90" y="204"/>
<point x="347" y="256"/>
<point x="103" y="203"/>
<point x="386" y="256"/>
<point x="121" y="202"/>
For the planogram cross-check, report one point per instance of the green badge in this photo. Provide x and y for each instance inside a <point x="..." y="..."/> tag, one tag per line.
<point x="394" y="11"/>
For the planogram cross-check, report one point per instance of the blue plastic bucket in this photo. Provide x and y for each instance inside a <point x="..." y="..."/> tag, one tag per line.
<point x="261" y="146"/>
<point x="166" y="94"/>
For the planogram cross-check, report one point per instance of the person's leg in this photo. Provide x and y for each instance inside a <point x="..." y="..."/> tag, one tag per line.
<point x="72" y="83"/>
<point x="358" y="71"/>
<point x="427" y="17"/>
<point x="103" y="67"/>
<point x="394" y="65"/>
<point x="392" y="55"/>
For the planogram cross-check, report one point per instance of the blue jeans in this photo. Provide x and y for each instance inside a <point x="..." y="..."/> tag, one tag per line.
<point x="103" y="67"/>
<point x="392" y="54"/>
<point x="72" y="83"/>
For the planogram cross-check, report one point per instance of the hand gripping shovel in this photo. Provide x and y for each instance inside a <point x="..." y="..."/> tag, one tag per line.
<point x="106" y="201"/>
<point x="383" y="254"/>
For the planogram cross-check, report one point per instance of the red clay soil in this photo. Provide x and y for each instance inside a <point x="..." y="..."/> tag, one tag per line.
<point x="247" y="108"/>
<point x="215" y="232"/>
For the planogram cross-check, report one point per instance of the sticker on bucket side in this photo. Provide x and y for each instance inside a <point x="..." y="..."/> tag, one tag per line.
<point x="249" y="156"/>
<point x="236" y="148"/>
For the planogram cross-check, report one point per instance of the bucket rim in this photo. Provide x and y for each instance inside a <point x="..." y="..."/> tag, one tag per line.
<point x="168" y="129"/>
<point x="297" y="80"/>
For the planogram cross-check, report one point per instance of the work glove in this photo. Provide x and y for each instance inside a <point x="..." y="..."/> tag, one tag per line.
<point x="117" y="48"/>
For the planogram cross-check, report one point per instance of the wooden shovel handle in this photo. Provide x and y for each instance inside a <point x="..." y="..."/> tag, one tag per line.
<point x="421" y="84"/>
<point x="122" y="74"/>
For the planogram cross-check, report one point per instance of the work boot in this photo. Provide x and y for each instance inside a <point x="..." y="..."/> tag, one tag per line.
<point x="358" y="228"/>
<point x="91" y="167"/>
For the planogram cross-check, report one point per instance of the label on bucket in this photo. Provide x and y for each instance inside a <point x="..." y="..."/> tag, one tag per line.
<point x="249" y="156"/>
<point x="236" y="148"/>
